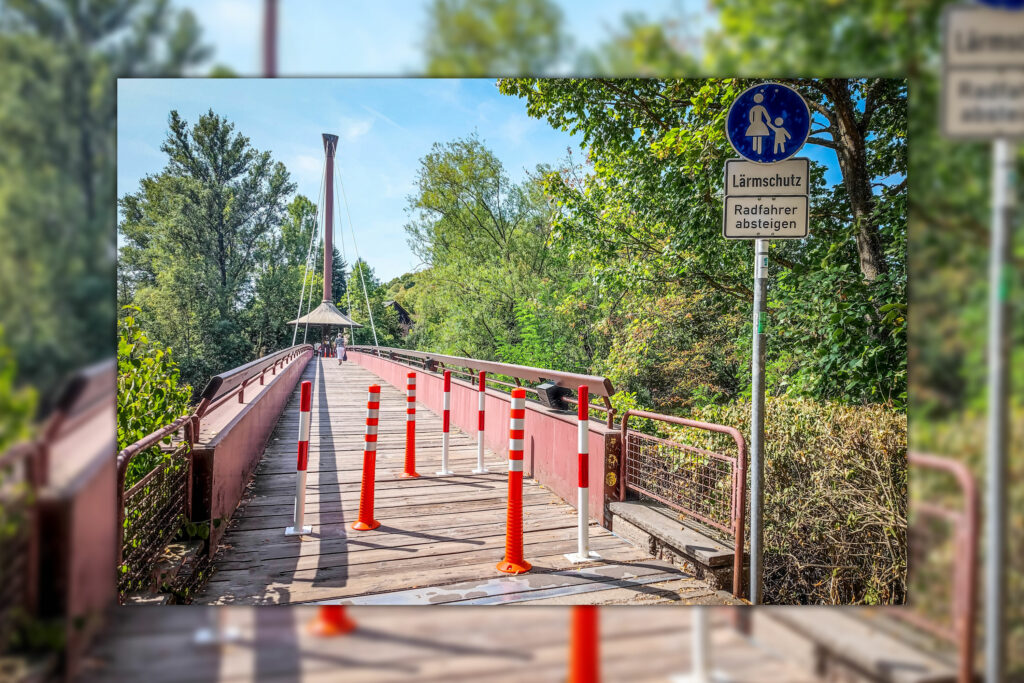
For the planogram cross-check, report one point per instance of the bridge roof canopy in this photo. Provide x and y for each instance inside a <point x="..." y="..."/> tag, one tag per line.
<point x="325" y="314"/>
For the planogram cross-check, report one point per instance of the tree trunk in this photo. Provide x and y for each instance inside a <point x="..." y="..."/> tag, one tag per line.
<point x="852" y="153"/>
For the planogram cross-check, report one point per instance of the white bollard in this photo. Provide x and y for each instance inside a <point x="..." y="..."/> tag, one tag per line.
<point x="480" y="469"/>
<point x="583" y="552"/>
<point x="701" y="651"/>
<point x="299" y="511"/>
<point x="446" y="417"/>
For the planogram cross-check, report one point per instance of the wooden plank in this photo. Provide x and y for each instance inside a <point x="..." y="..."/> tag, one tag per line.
<point x="435" y="531"/>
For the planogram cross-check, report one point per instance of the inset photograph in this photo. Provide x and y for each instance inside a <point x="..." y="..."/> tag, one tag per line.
<point x="517" y="341"/>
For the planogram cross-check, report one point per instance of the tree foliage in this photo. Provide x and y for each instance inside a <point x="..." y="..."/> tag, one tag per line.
<point x="193" y="236"/>
<point x="58" y="63"/>
<point x="645" y="214"/>
<point x="150" y="394"/>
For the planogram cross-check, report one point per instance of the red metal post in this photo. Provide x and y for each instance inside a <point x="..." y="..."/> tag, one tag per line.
<point x="270" y="38"/>
<point x="330" y="145"/>
<point x="514" y="563"/>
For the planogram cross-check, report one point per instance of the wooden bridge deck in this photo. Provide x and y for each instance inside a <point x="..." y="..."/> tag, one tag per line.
<point x="440" y="537"/>
<point x="157" y="645"/>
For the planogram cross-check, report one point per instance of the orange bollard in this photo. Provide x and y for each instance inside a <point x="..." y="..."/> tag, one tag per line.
<point x="410" y="428"/>
<point x="366" y="520"/>
<point x="514" y="562"/>
<point x="331" y="620"/>
<point x="584" y="645"/>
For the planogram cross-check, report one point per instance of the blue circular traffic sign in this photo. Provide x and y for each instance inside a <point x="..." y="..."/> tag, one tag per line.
<point x="768" y="123"/>
<point x="1004" y="4"/>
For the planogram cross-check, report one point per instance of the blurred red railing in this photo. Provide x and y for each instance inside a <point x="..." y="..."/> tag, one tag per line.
<point x="964" y="521"/>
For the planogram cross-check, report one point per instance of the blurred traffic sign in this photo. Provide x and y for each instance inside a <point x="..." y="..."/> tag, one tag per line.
<point x="983" y="72"/>
<point x="768" y="123"/>
<point x="1004" y="4"/>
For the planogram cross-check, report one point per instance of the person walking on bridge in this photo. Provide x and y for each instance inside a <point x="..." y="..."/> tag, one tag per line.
<point x="340" y="342"/>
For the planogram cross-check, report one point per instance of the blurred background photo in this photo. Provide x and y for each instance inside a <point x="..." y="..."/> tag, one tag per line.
<point x="63" y="292"/>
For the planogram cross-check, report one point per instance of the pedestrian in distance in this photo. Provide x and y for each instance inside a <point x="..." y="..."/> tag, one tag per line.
<point x="340" y="343"/>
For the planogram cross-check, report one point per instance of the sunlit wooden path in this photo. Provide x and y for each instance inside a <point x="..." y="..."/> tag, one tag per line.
<point x="422" y="644"/>
<point x="440" y="536"/>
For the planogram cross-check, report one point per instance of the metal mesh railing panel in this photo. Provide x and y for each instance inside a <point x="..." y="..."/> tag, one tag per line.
<point x="154" y="510"/>
<point x="691" y="480"/>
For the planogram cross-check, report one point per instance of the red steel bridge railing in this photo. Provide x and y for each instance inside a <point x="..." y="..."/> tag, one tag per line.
<point x="152" y="510"/>
<point x="707" y="486"/>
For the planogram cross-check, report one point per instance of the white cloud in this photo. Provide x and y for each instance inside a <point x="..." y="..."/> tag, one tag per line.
<point x="352" y="129"/>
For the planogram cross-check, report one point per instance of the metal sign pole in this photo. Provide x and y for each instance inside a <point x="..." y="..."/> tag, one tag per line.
<point x="998" y="392"/>
<point x="757" y="419"/>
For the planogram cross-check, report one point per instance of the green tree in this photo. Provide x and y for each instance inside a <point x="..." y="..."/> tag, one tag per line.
<point x="193" y="235"/>
<point x="648" y="213"/>
<point x="149" y="393"/>
<point x="58" y="63"/>
<point x="493" y="37"/>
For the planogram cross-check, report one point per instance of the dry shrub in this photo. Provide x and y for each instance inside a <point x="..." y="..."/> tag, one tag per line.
<point x="835" y="508"/>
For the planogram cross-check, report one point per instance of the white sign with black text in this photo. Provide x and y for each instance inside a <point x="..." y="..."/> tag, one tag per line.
<point x="983" y="73"/>
<point x="767" y="201"/>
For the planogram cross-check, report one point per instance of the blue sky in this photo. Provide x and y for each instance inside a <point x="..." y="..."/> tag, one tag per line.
<point x="332" y="37"/>
<point x="385" y="126"/>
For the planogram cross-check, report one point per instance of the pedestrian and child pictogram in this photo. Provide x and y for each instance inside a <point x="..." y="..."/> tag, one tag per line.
<point x="768" y="122"/>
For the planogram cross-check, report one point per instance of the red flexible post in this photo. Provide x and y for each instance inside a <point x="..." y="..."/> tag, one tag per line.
<point x="410" y="429"/>
<point x="446" y="424"/>
<point x="366" y="520"/>
<point x="584" y="645"/>
<point x="514" y="563"/>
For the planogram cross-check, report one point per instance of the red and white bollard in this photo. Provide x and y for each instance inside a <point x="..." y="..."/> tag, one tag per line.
<point x="366" y="520"/>
<point x="583" y="552"/>
<point x="584" y="645"/>
<point x="482" y="388"/>
<point x="299" y="512"/>
<point x="446" y="417"/>
<point x="514" y="562"/>
<point x="700" y="651"/>
<point x="410" y="429"/>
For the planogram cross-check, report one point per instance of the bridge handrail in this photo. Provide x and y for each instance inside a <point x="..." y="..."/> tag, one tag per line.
<point x="217" y="392"/>
<point x="966" y="523"/>
<point x="227" y="383"/>
<point x="737" y="512"/>
<point x="598" y="386"/>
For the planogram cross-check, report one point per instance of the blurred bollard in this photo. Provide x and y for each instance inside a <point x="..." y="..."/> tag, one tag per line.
<point x="331" y="620"/>
<point x="584" y="645"/>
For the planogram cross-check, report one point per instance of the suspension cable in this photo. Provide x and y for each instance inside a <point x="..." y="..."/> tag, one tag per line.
<point x="362" y="277"/>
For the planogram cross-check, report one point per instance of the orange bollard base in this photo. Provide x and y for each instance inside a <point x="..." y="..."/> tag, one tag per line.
<point x="510" y="567"/>
<point x="331" y="620"/>
<point x="365" y="526"/>
<point x="409" y="475"/>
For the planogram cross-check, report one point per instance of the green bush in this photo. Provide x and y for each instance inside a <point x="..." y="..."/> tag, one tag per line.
<point x="835" y="530"/>
<point x="963" y="438"/>
<point x="148" y="394"/>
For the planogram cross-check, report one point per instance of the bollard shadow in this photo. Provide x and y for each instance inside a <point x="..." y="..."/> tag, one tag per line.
<point x="429" y="537"/>
<point x="331" y="571"/>
<point x="449" y="648"/>
<point x="279" y="656"/>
